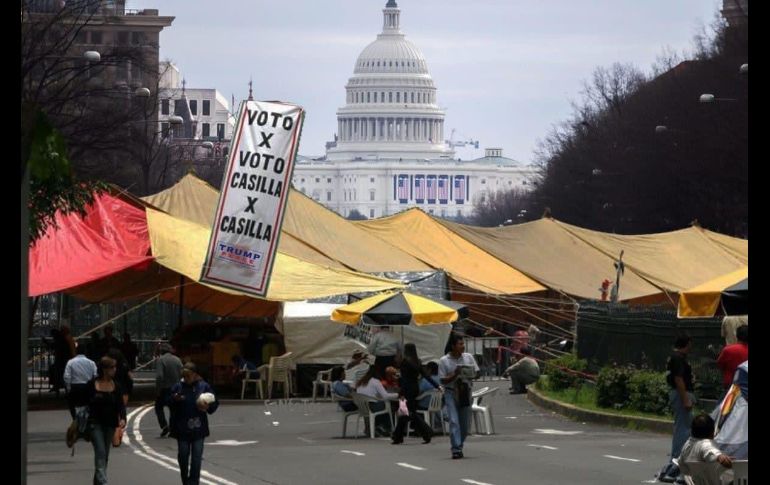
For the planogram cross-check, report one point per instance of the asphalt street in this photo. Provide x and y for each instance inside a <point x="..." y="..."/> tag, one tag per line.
<point x="300" y="442"/>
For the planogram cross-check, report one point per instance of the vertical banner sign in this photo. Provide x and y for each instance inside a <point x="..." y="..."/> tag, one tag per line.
<point x="255" y="190"/>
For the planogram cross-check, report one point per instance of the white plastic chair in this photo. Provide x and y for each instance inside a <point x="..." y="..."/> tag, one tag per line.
<point x="279" y="371"/>
<point x="700" y="472"/>
<point x="434" y="407"/>
<point x="362" y="402"/>
<point x="346" y="414"/>
<point x="485" y="425"/>
<point x="247" y="379"/>
<point x="323" y="378"/>
<point x="740" y="472"/>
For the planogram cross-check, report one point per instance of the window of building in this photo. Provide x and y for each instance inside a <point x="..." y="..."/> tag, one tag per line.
<point x="121" y="71"/>
<point x="96" y="36"/>
<point x="164" y="106"/>
<point x="137" y="38"/>
<point x="430" y="211"/>
<point x="371" y="213"/>
<point x="317" y="179"/>
<point x="328" y="180"/>
<point x="412" y="97"/>
<point x="382" y="97"/>
<point x="206" y="130"/>
<point x="81" y="37"/>
<point x="303" y="180"/>
<point x="206" y="107"/>
<point x="368" y="97"/>
<point x="371" y="195"/>
<point x="302" y="190"/>
<point x="221" y="131"/>
<point x="398" y="97"/>
<point x="371" y="179"/>
<point x="122" y="38"/>
<point x="523" y="182"/>
<point x="510" y="182"/>
<point x="194" y="107"/>
<point x="328" y="196"/>
<point x="459" y="213"/>
<point x="390" y="97"/>
<point x="164" y="129"/>
<point x="483" y="181"/>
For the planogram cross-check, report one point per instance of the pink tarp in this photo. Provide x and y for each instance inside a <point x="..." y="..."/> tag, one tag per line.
<point x="111" y="238"/>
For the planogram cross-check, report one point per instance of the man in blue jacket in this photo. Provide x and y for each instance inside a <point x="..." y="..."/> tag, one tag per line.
<point x="191" y="421"/>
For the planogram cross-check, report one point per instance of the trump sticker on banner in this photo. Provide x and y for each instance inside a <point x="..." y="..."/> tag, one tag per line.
<point x="252" y="202"/>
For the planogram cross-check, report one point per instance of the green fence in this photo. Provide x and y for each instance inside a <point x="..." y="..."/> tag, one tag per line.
<point x="644" y="336"/>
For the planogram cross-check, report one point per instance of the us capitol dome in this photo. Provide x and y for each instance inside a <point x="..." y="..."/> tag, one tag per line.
<point x="389" y="152"/>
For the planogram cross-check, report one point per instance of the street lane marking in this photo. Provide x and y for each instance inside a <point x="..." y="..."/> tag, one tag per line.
<point x="474" y="482"/>
<point x="357" y="453"/>
<point x="301" y="438"/>
<point x="621" y="458"/>
<point x="544" y="446"/>
<point x="231" y="443"/>
<point x="407" y="465"/>
<point x="159" y="458"/>
<point x="510" y="417"/>
<point x="555" y="431"/>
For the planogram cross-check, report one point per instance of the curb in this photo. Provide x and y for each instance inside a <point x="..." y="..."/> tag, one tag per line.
<point x="643" y="424"/>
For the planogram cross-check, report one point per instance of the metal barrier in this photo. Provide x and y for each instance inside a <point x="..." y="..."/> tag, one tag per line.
<point x="41" y="362"/>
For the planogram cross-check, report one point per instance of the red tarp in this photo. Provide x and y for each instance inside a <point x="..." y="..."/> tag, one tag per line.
<point x="111" y="238"/>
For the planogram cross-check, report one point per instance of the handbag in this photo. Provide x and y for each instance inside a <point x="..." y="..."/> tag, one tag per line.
<point x="117" y="437"/>
<point x="402" y="409"/>
<point x="463" y="394"/>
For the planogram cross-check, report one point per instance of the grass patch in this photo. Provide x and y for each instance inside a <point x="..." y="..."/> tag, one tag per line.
<point x="584" y="397"/>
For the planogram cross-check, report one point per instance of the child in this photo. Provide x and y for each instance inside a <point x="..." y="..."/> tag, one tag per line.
<point x="700" y="446"/>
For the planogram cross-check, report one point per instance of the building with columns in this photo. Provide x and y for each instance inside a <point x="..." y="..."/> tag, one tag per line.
<point x="389" y="152"/>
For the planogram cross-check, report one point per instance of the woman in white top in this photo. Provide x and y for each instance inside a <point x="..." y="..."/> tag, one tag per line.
<point x="370" y="386"/>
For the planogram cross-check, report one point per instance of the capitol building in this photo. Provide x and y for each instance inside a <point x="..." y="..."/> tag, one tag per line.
<point x="389" y="152"/>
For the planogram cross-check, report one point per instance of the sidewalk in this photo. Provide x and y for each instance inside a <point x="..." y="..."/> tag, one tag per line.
<point x="663" y="426"/>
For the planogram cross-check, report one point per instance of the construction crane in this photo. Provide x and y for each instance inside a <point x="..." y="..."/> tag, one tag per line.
<point x="461" y="143"/>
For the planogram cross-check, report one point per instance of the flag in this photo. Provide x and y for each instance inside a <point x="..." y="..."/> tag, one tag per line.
<point x="419" y="188"/>
<point x="431" y="180"/>
<point x="443" y="189"/>
<point x="459" y="188"/>
<point x="403" y="188"/>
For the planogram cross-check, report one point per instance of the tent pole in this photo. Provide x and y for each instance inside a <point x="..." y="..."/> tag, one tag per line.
<point x="180" y="319"/>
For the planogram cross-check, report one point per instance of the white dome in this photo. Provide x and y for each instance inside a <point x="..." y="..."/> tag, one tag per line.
<point x="391" y="53"/>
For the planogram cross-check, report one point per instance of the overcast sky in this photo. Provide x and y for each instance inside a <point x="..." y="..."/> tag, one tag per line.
<point x="506" y="70"/>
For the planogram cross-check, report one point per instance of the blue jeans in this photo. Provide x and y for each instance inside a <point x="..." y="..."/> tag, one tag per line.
<point x="459" y="421"/>
<point x="185" y="449"/>
<point x="101" y="440"/>
<point x="682" y="422"/>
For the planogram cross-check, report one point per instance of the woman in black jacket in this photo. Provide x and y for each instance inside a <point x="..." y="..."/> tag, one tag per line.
<point x="107" y="411"/>
<point x="411" y="371"/>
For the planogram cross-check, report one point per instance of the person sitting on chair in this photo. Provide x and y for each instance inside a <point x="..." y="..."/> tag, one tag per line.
<point x="700" y="446"/>
<point x="243" y="369"/>
<point x="341" y="389"/>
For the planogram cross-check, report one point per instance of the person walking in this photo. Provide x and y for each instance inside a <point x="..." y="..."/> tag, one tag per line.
<point x="411" y="372"/>
<point x="168" y="371"/>
<point x="456" y="370"/>
<point x="191" y="423"/>
<point x="681" y="399"/>
<point x="78" y="372"/>
<point x="107" y="411"/>
<point x="130" y="350"/>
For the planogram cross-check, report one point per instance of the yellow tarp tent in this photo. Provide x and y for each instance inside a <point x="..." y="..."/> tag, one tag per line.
<point x="181" y="247"/>
<point x="416" y="233"/>
<point x="310" y="232"/>
<point x="704" y="299"/>
<point x="674" y="261"/>
<point x="552" y="256"/>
